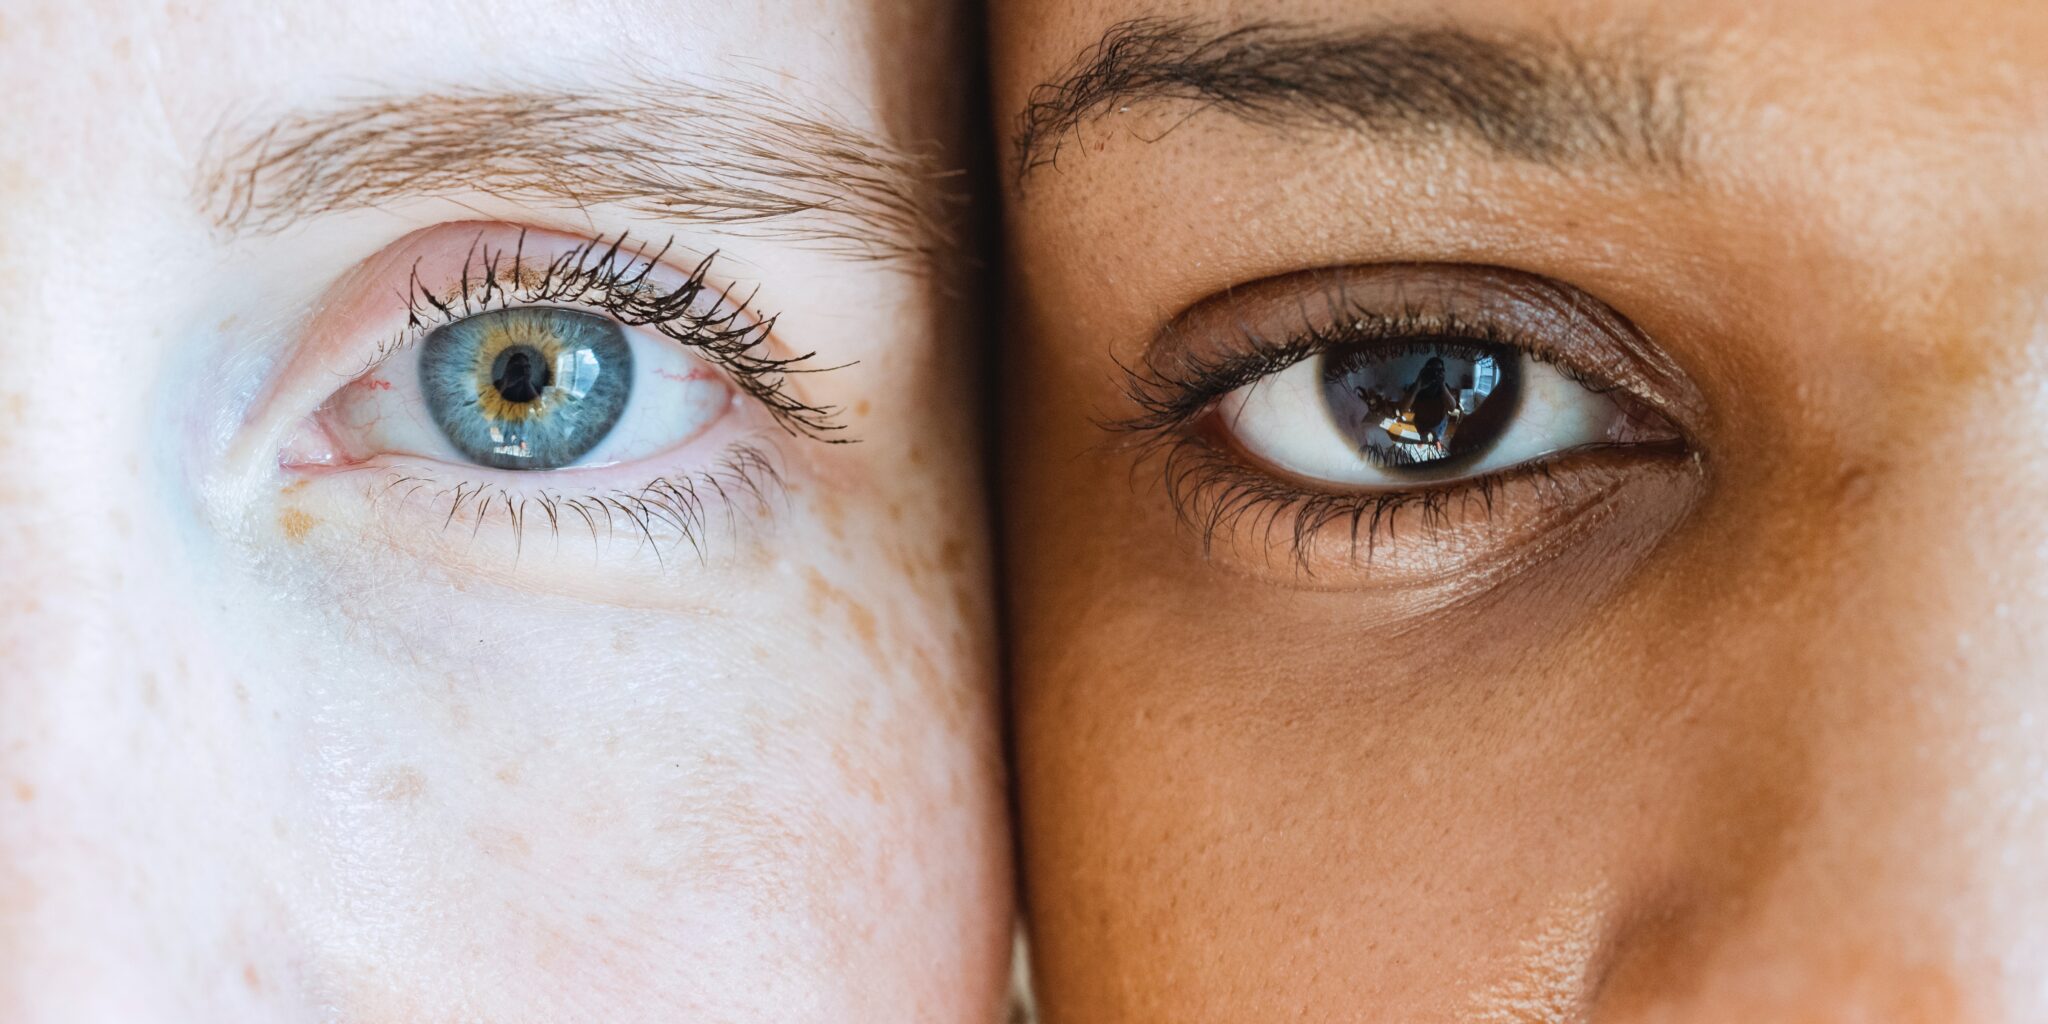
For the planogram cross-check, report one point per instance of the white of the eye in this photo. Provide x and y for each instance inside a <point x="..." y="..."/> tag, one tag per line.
<point x="1283" y="421"/>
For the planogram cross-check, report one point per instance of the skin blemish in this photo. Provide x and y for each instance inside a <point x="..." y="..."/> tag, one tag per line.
<point x="501" y="844"/>
<point x="24" y="792"/>
<point x="377" y="384"/>
<point x="822" y="592"/>
<point x="296" y="524"/>
<point x="251" y="978"/>
<point x="404" y="784"/>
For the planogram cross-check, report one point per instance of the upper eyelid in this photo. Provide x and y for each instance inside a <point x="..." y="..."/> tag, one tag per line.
<point x="1219" y="340"/>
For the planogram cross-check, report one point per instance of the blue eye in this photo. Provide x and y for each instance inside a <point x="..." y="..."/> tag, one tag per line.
<point x="527" y="388"/>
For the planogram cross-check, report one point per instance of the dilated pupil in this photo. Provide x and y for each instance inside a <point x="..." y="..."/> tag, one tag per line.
<point x="520" y="374"/>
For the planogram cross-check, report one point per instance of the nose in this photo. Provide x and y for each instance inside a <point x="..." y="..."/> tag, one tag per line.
<point x="1871" y="841"/>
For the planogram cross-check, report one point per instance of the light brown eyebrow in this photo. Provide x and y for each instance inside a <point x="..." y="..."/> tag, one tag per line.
<point x="733" y="156"/>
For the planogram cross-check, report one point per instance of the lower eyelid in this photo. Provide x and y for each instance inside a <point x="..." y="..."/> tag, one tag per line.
<point x="1238" y="511"/>
<point x="500" y="521"/>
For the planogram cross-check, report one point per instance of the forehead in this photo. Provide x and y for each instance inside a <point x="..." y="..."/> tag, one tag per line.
<point x="1895" y="143"/>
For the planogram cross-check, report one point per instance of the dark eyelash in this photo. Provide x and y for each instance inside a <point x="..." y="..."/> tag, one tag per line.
<point x="693" y="314"/>
<point x="1216" y="494"/>
<point x="673" y="506"/>
<point x="1171" y="393"/>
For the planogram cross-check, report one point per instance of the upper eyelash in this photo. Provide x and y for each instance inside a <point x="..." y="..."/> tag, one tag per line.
<point x="1173" y="395"/>
<point x="592" y="274"/>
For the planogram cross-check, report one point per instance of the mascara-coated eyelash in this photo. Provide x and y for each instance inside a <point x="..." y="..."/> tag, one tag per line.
<point x="544" y="383"/>
<point x="1389" y="401"/>
<point x="603" y="274"/>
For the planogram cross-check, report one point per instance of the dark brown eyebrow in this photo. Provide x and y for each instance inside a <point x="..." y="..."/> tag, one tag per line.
<point x="731" y="156"/>
<point x="1523" y="97"/>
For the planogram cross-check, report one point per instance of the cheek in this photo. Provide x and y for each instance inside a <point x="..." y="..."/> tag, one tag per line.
<point x="695" y="786"/>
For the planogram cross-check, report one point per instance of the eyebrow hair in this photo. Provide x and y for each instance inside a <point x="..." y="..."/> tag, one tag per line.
<point x="733" y="156"/>
<point x="1523" y="97"/>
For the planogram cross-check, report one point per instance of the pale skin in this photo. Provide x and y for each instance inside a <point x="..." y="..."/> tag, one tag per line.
<point x="1757" y="735"/>
<point x="287" y="735"/>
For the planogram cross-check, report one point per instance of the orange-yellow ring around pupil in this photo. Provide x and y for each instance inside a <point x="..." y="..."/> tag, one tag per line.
<point x="512" y="332"/>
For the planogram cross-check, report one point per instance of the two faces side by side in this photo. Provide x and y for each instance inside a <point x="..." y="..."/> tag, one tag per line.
<point x="1511" y="512"/>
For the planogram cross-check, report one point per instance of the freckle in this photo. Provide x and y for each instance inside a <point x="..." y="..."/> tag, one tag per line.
<point x="828" y="507"/>
<point x="24" y="792"/>
<point x="226" y="323"/>
<point x="149" y="691"/>
<point x="860" y="408"/>
<point x="624" y="642"/>
<point x="509" y="775"/>
<point x="864" y="625"/>
<point x="294" y="487"/>
<point x="501" y="843"/>
<point x="296" y="524"/>
<point x="758" y="653"/>
<point x="895" y="512"/>
<point x="404" y="783"/>
<point x="916" y="456"/>
<point x="816" y="592"/>
<point x="251" y="978"/>
<point x="242" y="692"/>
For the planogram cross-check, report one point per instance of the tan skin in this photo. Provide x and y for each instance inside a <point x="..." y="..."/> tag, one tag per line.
<point x="1745" y="722"/>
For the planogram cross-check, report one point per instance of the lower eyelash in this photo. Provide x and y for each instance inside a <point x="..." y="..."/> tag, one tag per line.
<point x="1216" y="495"/>
<point x="677" y="507"/>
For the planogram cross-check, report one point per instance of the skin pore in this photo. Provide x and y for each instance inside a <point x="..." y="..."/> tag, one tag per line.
<point x="304" y="716"/>
<point x="1735" y="714"/>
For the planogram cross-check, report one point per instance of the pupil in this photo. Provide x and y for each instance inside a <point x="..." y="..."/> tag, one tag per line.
<point x="520" y="374"/>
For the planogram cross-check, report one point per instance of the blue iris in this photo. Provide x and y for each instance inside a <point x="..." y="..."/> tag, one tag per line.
<point x="529" y="388"/>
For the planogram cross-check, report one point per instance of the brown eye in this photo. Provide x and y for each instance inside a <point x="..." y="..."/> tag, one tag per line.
<point x="1394" y="414"/>
<point x="1422" y="403"/>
